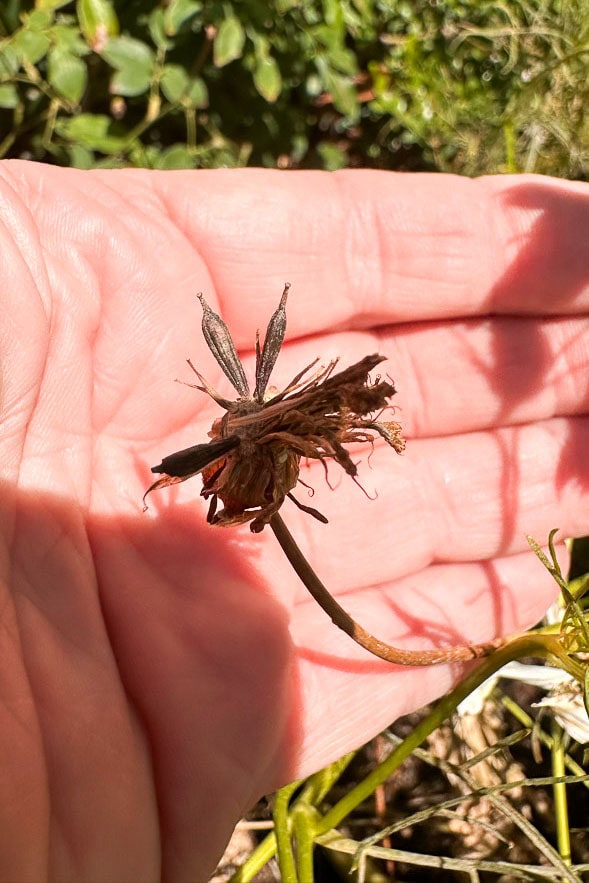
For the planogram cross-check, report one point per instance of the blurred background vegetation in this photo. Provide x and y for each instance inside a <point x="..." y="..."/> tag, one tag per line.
<point x="463" y="86"/>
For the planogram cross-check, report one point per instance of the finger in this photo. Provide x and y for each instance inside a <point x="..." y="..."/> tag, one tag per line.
<point x="442" y="249"/>
<point x="367" y="248"/>
<point x="451" y="377"/>
<point x="466" y="498"/>
<point x="461" y="376"/>
<point x="361" y="248"/>
<point x="456" y="377"/>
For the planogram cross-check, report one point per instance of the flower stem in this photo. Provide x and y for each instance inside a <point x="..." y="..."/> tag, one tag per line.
<point x="344" y="621"/>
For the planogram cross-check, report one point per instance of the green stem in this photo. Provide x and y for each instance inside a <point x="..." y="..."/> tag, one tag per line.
<point x="282" y="833"/>
<point x="304" y="832"/>
<point x="546" y="646"/>
<point x="561" y="813"/>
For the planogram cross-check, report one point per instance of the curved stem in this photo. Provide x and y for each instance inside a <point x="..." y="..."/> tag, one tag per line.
<point x="344" y="621"/>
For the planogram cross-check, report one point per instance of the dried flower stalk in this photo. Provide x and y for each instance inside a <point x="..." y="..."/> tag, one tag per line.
<point x="252" y="462"/>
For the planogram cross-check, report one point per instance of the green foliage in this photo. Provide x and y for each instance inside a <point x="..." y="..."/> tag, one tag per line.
<point x="461" y="85"/>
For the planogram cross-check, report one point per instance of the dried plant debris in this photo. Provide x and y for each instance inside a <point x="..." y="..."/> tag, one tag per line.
<point x="253" y="460"/>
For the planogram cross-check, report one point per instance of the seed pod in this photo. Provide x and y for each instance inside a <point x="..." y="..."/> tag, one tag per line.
<point x="221" y="345"/>
<point x="190" y="461"/>
<point x="272" y="343"/>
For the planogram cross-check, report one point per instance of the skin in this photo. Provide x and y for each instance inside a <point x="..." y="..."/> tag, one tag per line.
<point x="158" y="675"/>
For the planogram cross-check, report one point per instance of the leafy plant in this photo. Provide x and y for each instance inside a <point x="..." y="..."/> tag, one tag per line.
<point x="460" y="86"/>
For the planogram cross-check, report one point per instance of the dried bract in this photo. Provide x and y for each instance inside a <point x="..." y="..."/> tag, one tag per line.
<point x="253" y="459"/>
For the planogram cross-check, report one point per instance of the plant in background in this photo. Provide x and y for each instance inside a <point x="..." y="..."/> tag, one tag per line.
<point x="460" y="86"/>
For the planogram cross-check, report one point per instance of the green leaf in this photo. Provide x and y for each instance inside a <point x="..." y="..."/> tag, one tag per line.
<point x="157" y="32"/>
<point x="133" y="62"/>
<point x="332" y="156"/>
<point x="98" y="21"/>
<point x="342" y="91"/>
<point x="178" y="156"/>
<point x="80" y="157"/>
<point x="333" y="14"/>
<point x="131" y="80"/>
<point x="120" y="51"/>
<point x="8" y="95"/>
<point x="111" y="162"/>
<point x="197" y="95"/>
<point x="174" y="82"/>
<point x="9" y="60"/>
<point x="30" y="46"/>
<point x="267" y="79"/>
<point x="39" y="19"/>
<point x="228" y="42"/>
<point x="94" y="131"/>
<point x="42" y="5"/>
<point x="177" y="13"/>
<point x="67" y="74"/>
<point x="68" y="37"/>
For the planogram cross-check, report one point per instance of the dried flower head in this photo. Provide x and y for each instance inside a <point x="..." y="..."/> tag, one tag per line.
<point x="252" y="462"/>
<point x="253" y="459"/>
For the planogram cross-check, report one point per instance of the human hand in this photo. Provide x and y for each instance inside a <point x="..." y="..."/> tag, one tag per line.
<point x="160" y="674"/>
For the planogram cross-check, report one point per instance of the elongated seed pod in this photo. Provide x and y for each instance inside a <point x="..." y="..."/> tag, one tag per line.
<point x="190" y="461"/>
<point x="221" y="345"/>
<point x="272" y="343"/>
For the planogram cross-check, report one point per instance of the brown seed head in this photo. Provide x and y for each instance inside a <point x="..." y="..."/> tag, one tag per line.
<point x="252" y="462"/>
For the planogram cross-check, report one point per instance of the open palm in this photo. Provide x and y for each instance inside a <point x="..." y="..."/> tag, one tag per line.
<point x="158" y="674"/>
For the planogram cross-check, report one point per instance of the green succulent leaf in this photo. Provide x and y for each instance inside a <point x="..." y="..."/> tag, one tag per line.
<point x="30" y="46"/>
<point x="43" y="5"/>
<point x="197" y="94"/>
<point x="177" y="13"/>
<point x="80" y="157"/>
<point x="40" y="18"/>
<point x="267" y="79"/>
<point x="98" y="22"/>
<point x="92" y="131"/>
<point x="9" y="61"/>
<point x="229" y="41"/>
<point x="178" y="156"/>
